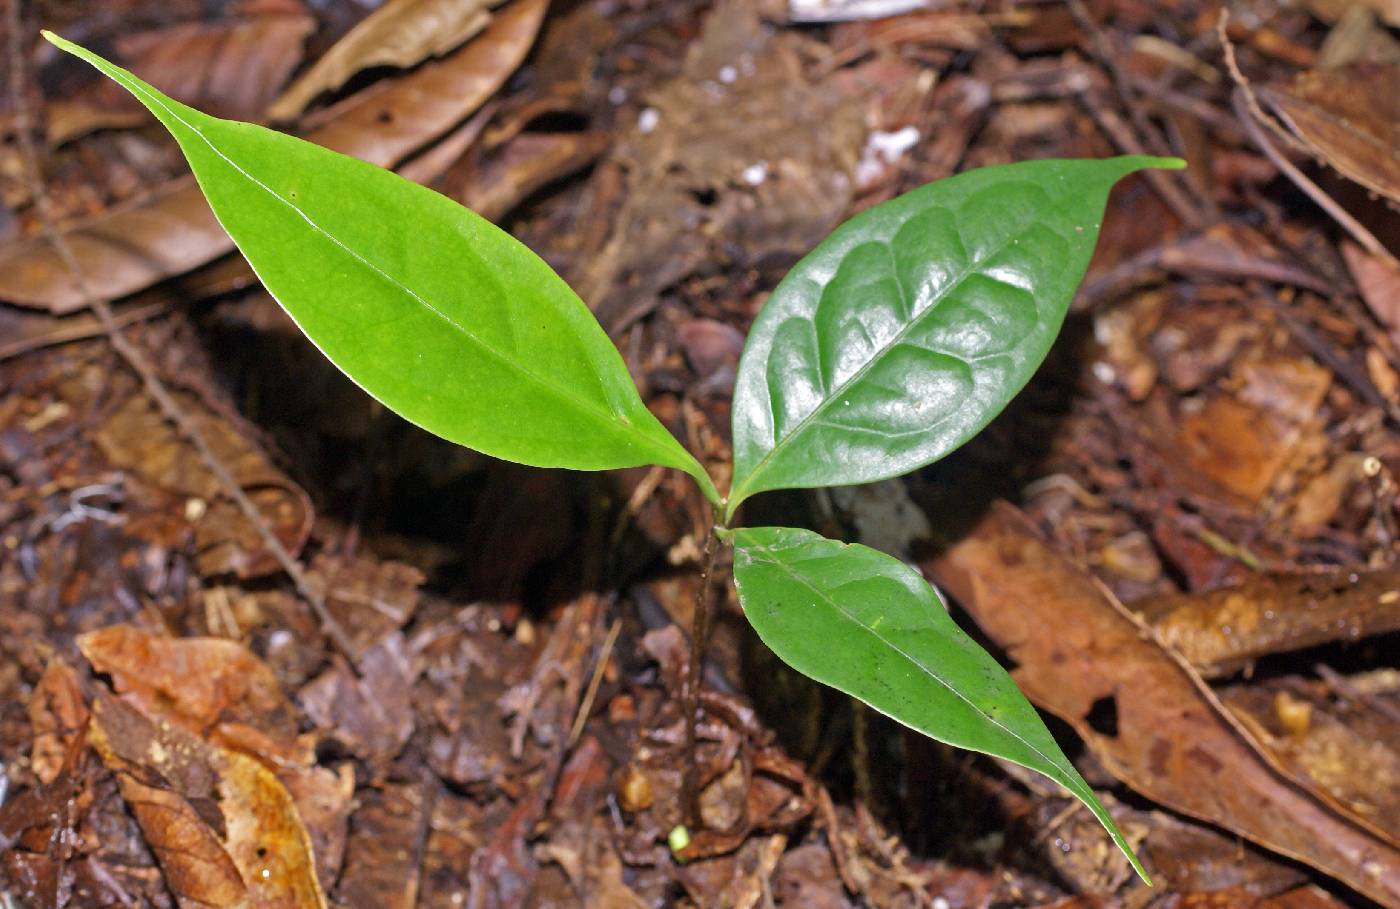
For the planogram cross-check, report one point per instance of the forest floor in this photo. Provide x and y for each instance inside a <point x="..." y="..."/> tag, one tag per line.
<point x="1182" y="535"/>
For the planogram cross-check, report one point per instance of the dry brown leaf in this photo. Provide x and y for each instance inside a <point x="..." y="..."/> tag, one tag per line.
<point x="266" y="837"/>
<point x="58" y="714"/>
<point x="370" y="598"/>
<point x="136" y="438"/>
<point x="371" y="714"/>
<point x="224" y="829"/>
<point x="1242" y="441"/>
<point x="380" y="866"/>
<point x="1350" y="117"/>
<point x="232" y="68"/>
<point x="1378" y="280"/>
<point x="201" y="681"/>
<point x="1083" y="657"/>
<point x="197" y="868"/>
<point x="400" y="33"/>
<point x="394" y="118"/>
<point x="130" y="248"/>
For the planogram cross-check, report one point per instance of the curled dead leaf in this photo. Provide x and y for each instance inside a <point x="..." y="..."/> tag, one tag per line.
<point x="400" y="33"/>
<point x="1350" y="117"/>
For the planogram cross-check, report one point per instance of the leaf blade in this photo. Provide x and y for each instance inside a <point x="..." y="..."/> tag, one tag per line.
<point x="904" y="332"/>
<point x="499" y="355"/>
<point x="899" y="650"/>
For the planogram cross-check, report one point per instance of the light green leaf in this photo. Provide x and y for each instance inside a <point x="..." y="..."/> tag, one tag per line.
<point x="443" y="317"/>
<point x="867" y="624"/>
<point x="910" y="327"/>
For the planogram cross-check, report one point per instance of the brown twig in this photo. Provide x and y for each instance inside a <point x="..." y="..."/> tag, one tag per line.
<point x="586" y="705"/>
<point x="130" y="353"/>
<point x="699" y="633"/>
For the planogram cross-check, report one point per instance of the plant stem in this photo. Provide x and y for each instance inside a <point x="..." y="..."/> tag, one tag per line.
<point x="699" y="633"/>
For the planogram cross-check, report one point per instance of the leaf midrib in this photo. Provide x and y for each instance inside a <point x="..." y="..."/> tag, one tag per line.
<point x="557" y="390"/>
<point x="776" y="561"/>
<point x="894" y="342"/>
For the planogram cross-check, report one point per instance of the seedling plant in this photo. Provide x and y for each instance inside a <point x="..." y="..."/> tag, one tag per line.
<point x="893" y="342"/>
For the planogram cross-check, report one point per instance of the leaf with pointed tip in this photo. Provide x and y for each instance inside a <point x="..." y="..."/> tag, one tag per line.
<point x="910" y="327"/>
<point x="867" y="624"/>
<point x="446" y="319"/>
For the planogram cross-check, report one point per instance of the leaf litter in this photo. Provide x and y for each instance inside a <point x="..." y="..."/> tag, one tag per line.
<point x="1214" y="444"/>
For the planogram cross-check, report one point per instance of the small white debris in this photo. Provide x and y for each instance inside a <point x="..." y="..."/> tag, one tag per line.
<point x="941" y="903"/>
<point x="755" y="174"/>
<point x="881" y="151"/>
<point x="648" y="120"/>
<point x="849" y="10"/>
<point x="728" y="74"/>
<point x="1104" y="372"/>
<point x="617" y="95"/>
<point x="893" y="145"/>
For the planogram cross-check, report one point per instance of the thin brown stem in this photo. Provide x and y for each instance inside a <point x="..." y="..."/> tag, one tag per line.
<point x="699" y="634"/>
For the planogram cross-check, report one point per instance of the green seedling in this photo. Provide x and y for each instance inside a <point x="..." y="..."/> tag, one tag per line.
<point x="893" y="342"/>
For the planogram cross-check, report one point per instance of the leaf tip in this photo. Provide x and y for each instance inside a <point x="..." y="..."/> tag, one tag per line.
<point x="1168" y="163"/>
<point x="63" y="44"/>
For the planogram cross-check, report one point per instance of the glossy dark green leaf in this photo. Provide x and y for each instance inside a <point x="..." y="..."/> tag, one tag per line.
<point x="911" y="326"/>
<point x="867" y="624"/>
<point x="445" y="318"/>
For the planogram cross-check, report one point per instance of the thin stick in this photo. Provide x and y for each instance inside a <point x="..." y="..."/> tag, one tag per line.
<point x="586" y="707"/>
<point x="150" y="379"/>
<point x="699" y="633"/>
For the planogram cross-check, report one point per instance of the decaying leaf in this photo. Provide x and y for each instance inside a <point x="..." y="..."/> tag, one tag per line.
<point x="202" y="681"/>
<point x="1147" y="717"/>
<point x="1241" y="441"/>
<point x="132" y="247"/>
<point x="1332" y="10"/>
<point x="59" y="715"/>
<point x="371" y="714"/>
<point x="1378" y="280"/>
<point x="137" y="439"/>
<point x="379" y="862"/>
<point x="1350" y="117"/>
<point x="400" y="33"/>
<point x="224" y="829"/>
